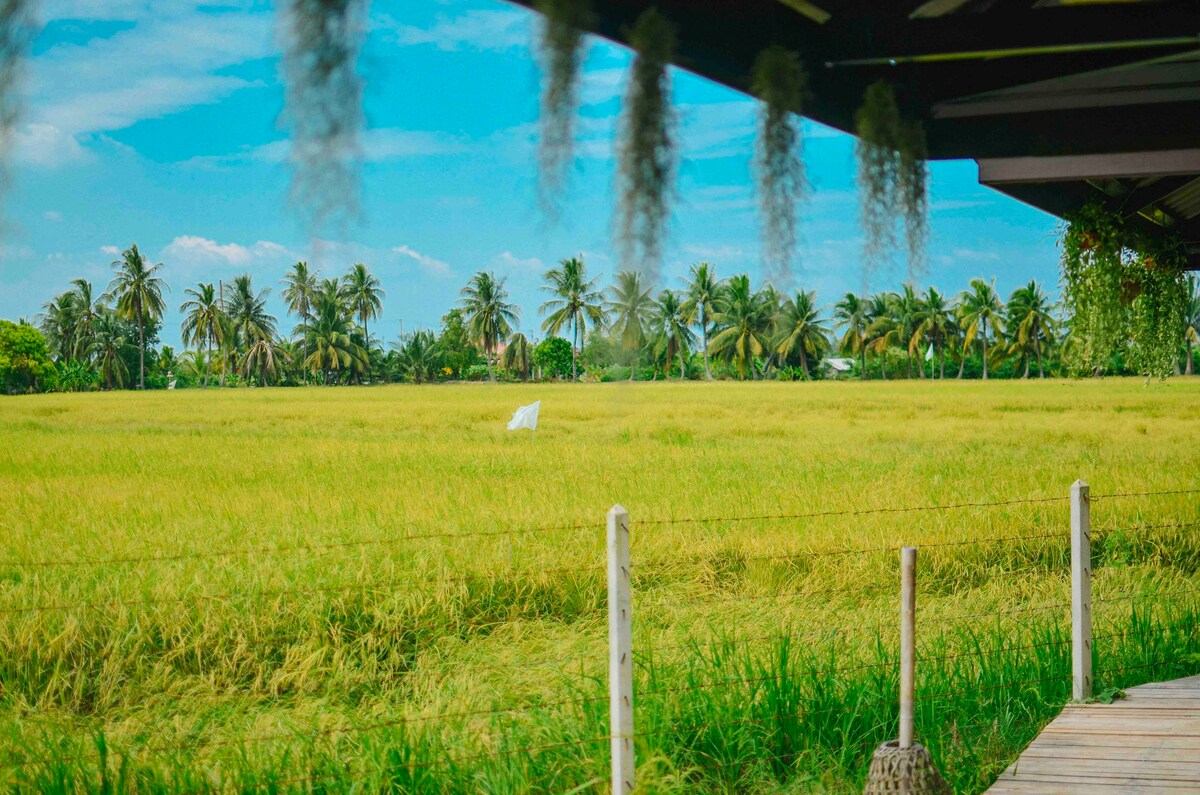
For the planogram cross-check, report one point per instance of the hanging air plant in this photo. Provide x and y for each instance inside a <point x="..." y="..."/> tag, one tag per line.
<point x="893" y="181"/>
<point x="560" y="51"/>
<point x="877" y="125"/>
<point x="779" y="81"/>
<point x="913" y="176"/>
<point x="16" y="33"/>
<point x="322" y="40"/>
<point x="647" y="155"/>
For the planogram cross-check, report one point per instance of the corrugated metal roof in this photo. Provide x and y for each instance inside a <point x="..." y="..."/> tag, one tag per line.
<point x="1184" y="203"/>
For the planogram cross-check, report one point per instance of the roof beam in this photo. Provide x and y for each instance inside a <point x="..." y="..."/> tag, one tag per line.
<point x="1123" y="165"/>
<point x="1087" y="131"/>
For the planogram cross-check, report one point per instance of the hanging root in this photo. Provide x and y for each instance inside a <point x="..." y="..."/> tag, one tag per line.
<point x="322" y="41"/>
<point x="779" y="81"/>
<point x="647" y="150"/>
<point x="560" y="51"/>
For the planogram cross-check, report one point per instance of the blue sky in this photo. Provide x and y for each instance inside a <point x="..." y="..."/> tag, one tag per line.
<point x="157" y="121"/>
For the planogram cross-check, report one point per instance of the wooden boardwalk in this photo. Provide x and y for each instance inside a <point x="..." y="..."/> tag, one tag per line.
<point x="1146" y="743"/>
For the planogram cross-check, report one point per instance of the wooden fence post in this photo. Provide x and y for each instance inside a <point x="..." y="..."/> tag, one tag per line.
<point x="908" y="610"/>
<point x="1081" y="592"/>
<point x="620" y="651"/>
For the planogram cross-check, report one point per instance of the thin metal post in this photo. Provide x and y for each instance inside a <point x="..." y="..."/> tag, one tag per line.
<point x="908" y="611"/>
<point x="1081" y="592"/>
<point x="620" y="651"/>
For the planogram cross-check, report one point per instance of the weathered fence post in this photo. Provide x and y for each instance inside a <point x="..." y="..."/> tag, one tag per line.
<point x="908" y="611"/>
<point x="620" y="651"/>
<point x="905" y="765"/>
<point x="1081" y="592"/>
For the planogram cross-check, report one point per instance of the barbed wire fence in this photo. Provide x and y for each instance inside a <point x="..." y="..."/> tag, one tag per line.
<point x="623" y="734"/>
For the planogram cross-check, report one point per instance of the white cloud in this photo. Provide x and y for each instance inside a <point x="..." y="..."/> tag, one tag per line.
<point x="718" y="252"/>
<point x="482" y="29"/>
<point x="47" y="145"/>
<point x="52" y="215"/>
<point x="720" y="198"/>
<point x="510" y="261"/>
<point x="377" y="146"/>
<point x="433" y="267"/>
<point x="152" y="97"/>
<point x="718" y="129"/>
<point x="601" y="86"/>
<point x="957" y="204"/>
<point x="975" y="255"/>
<point x="195" y="249"/>
<point x="169" y="60"/>
<point x="111" y="250"/>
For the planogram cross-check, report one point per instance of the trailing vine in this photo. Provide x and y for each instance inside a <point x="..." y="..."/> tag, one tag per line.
<point x="560" y="51"/>
<point x="779" y="81"/>
<point x="1156" y="318"/>
<point x="323" y="108"/>
<point x="1093" y="274"/>
<point x="893" y="181"/>
<point x="1124" y="291"/>
<point x="647" y="148"/>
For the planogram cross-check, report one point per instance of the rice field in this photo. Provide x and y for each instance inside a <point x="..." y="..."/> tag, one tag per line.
<point x="383" y="590"/>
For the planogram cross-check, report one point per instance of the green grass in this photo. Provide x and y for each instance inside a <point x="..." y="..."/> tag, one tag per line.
<point x="361" y="649"/>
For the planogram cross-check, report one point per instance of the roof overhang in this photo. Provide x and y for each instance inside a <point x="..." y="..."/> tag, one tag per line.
<point x="1061" y="102"/>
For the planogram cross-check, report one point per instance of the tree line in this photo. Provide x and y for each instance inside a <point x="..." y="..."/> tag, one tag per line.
<point x="708" y="328"/>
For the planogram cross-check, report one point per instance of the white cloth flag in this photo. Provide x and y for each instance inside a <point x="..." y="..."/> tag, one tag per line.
<point x="525" y="417"/>
<point x="929" y="353"/>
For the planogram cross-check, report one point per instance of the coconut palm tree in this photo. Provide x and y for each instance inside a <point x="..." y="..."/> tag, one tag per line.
<point x="906" y="310"/>
<point x="87" y="310"/>
<point x="1191" y="319"/>
<point x="331" y="348"/>
<point x="576" y="302"/>
<point x="744" y="319"/>
<point x="196" y="363"/>
<point x="882" y="332"/>
<point x="630" y="306"/>
<point x="202" y="320"/>
<point x="109" y="345"/>
<point x="264" y="356"/>
<point x="800" y="330"/>
<point x="850" y="314"/>
<point x="58" y="322"/>
<point x="979" y="310"/>
<point x="248" y="312"/>
<point x="363" y="297"/>
<point x="518" y="355"/>
<point x="935" y="326"/>
<point x="671" y="332"/>
<point x="300" y="292"/>
<point x="418" y="357"/>
<point x="490" y="317"/>
<point x="1031" y="323"/>
<point x="137" y="290"/>
<point x="772" y="301"/>
<point x="703" y="291"/>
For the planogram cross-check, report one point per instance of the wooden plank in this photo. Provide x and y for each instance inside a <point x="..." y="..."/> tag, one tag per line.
<point x="1113" y="752"/>
<point x="1147" y="743"/>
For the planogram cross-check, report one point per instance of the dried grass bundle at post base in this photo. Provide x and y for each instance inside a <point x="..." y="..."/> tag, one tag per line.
<point x="908" y="770"/>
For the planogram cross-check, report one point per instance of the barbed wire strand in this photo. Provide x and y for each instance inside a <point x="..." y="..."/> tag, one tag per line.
<point x="283" y="591"/>
<point x="307" y="547"/>
<point x="851" y="512"/>
<point x="1142" y="494"/>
